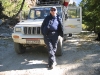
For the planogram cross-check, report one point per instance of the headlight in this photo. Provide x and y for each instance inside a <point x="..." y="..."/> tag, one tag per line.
<point x="18" y="29"/>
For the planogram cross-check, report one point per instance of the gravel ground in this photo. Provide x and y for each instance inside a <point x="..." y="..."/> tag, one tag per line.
<point x="80" y="57"/>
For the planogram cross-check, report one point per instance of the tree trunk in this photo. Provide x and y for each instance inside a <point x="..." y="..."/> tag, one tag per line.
<point x="98" y="37"/>
<point x="19" y="9"/>
<point x="94" y="27"/>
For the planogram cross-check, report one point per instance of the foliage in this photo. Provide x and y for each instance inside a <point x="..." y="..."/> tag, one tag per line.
<point x="11" y="7"/>
<point x="1" y="13"/>
<point x="73" y="4"/>
<point x="84" y="27"/>
<point x="90" y="14"/>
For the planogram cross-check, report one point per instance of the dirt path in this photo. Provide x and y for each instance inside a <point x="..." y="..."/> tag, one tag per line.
<point x="79" y="58"/>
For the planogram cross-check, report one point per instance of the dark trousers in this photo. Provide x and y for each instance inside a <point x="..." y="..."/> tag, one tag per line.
<point x="51" y="41"/>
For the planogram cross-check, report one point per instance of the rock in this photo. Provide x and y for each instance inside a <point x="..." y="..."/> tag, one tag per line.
<point x="5" y="35"/>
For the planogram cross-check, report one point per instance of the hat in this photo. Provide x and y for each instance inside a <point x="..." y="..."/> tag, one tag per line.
<point x="54" y="8"/>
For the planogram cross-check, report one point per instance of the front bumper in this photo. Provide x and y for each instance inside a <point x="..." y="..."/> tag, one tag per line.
<point x="27" y="39"/>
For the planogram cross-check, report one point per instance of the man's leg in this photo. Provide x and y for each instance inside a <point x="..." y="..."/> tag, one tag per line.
<point x="50" y="50"/>
<point x="51" y="43"/>
<point x="54" y="44"/>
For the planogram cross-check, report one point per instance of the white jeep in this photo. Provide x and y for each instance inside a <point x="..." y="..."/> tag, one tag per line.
<point x="28" y="32"/>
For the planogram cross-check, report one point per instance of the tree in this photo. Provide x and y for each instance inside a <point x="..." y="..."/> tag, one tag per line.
<point x="20" y="9"/>
<point x="73" y="4"/>
<point x="90" y="13"/>
<point x="91" y="16"/>
<point x="1" y="9"/>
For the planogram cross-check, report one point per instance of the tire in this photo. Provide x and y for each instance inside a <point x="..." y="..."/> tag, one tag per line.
<point x="59" y="47"/>
<point x="64" y="37"/>
<point x="19" y="48"/>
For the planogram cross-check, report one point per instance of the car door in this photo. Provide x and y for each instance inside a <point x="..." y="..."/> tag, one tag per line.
<point x="72" y="21"/>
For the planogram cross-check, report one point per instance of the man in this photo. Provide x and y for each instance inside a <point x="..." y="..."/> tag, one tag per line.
<point x="51" y="28"/>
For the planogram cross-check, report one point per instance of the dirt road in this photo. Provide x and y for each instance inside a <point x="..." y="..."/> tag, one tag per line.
<point x="79" y="58"/>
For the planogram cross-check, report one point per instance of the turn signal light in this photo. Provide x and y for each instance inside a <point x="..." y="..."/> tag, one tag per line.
<point x="15" y="36"/>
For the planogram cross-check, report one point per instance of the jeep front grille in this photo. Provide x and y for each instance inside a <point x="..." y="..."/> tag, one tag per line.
<point x="32" y="30"/>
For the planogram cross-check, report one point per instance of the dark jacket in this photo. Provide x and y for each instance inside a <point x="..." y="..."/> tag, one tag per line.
<point x="44" y="25"/>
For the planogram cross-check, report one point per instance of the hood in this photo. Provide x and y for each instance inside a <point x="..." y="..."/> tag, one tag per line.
<point x="31" y="22"/>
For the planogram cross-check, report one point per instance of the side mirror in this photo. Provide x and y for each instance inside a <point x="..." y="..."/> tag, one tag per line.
<point x="66" y="17"/>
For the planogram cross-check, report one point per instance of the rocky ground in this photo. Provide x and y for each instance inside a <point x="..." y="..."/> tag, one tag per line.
<point x="81" y="56"/>
<point x="5" y="31"/>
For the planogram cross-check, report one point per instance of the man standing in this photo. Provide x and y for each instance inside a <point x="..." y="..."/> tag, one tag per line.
<point x="51" y="28"/>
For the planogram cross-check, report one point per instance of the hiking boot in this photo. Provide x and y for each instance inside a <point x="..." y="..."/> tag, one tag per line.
<point x="52" y="66"/>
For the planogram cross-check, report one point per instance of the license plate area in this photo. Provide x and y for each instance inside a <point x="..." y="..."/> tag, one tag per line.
<point x="33" y="41"/>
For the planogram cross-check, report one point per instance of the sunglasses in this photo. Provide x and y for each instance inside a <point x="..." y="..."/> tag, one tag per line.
<point x="53" y="9"/>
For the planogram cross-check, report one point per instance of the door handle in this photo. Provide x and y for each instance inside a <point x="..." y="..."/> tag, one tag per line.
<point x="78" y="19"/>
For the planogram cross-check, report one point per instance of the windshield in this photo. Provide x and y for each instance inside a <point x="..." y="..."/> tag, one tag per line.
<point x="41" y="13"/>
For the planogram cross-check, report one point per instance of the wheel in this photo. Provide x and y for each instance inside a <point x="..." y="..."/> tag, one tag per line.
<point x="64" y="37"/>
<point x="59" y="47"/>
<point x="19" y="48"/>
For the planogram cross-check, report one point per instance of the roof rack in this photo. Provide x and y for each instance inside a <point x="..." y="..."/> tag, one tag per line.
<point x="49" y="3"/>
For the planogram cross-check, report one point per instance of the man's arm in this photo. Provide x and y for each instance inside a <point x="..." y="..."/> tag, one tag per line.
<point x="60" y="26"/>
<point x="43" y="24"/>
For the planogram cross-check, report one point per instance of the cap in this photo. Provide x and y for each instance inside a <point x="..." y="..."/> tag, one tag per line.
<point x="54" y="8"/>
